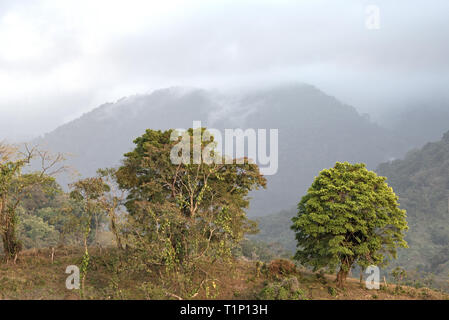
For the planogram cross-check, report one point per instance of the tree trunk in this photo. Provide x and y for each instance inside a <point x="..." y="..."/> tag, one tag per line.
<point x="341" y="278"/>
<point x="345" y="267"/>
<point x="11" y="245"/>
<point x="96" y="229"/>
<point x="114" y="229"/>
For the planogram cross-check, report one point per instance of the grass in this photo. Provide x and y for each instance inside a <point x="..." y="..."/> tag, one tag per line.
<point x="35" y="276"/>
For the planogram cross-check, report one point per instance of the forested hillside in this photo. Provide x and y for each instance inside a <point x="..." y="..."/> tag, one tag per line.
<point x="315" y="131"/>
<point x="421" y="180"/>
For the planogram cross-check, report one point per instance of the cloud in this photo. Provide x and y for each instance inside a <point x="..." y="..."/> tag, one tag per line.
<point x="61" y="58"/>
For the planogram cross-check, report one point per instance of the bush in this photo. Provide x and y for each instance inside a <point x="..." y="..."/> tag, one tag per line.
<point x="34" y="232"/>
<point x="281" y="267"/>
<point x="288" y="289"/>
<point x="332" y="291"/>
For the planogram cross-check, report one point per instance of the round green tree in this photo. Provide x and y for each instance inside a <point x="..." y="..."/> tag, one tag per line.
<point x="349" y="216"/>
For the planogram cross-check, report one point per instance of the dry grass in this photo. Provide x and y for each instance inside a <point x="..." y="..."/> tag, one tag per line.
<point x="35" y="276"/>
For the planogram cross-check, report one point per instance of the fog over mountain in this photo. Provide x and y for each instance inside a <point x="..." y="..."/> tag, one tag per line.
<point x="60" y="59"/>
<point x="420" y="122"/>
<point x="315" y="130"/>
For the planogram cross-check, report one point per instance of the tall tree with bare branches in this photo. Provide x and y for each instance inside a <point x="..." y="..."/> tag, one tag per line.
<point x="16" y="180"/>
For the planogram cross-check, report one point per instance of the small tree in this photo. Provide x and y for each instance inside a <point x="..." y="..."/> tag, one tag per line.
<point x="183" y="216"/>
<point x="399" y="274"/>
<point x="16" y="183"/>
<point x="102" y="198"/>
<point x="89" y="191"/>
<point x="112" y="202"/>
<point x="348" y="216"/>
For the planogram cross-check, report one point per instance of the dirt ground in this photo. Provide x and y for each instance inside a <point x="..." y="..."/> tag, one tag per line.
<point x="36" y="276"/>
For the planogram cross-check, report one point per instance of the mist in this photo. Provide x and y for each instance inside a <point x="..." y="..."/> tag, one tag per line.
<point x="59" y="60"/>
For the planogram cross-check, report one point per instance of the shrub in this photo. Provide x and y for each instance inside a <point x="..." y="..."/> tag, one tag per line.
<point x="281" y="267"/>
<point x="288" y="289"/>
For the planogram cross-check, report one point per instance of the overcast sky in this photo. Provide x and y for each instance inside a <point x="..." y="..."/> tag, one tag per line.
<point x="60" y="58"/>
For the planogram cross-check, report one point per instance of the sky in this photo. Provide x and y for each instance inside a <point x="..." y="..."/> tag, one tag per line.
<point x="60" y="59"/>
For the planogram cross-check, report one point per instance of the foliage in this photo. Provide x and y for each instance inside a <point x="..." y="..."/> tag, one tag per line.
<point x="89" y="191"/>
<point x="275" y="230"/>
<point x="41" y="196"/>
<point x="258" y="250"/>
<point x="287" y="289"/>
<point x="422" y="183"/>
<point x="65" y="217"/>
<point x="349" y="215"/>
<point x="34" y="232"/>
<point x="399" y="274"/>
<point x="182" y="215"/>
<point x="15" y="184"/>
<point x="281" y="267"/>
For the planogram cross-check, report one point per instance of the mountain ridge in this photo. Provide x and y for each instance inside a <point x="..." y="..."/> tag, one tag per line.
<point x="315" y="130"/>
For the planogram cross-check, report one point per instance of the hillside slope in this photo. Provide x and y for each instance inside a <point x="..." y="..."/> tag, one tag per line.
<point x="315" y="131"/>
<point x="36" y="277"/>
<point x="421" y="180"/>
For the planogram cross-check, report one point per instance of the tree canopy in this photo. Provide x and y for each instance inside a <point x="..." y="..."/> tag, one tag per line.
<point x="182" y="214"/>
<point x="349" y="216"/>
<point x="16" y="184"/>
